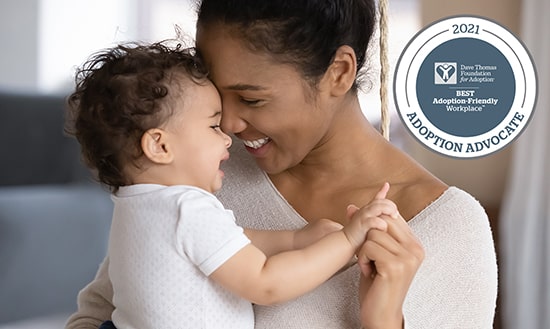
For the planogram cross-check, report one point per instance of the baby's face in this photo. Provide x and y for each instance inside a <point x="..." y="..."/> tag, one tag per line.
<point x="196" y="139"/>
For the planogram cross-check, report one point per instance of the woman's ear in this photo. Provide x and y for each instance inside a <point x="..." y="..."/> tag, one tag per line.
<point x="155" y="147"/>
<point x="342" y="71"/>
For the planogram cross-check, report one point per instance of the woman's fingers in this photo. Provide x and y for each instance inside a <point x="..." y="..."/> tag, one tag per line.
<point x="393" y="248"/>
<point x="399" y="229"/>
<point x="380" y="239"/>
<point x="379" y="247"/>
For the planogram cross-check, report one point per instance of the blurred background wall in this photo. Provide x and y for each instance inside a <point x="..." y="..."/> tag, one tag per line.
<point x="19" y="40"/>
<point x="44" y="40"/>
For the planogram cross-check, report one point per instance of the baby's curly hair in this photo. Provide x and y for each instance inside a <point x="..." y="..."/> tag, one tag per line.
<point x="121" y="92"/>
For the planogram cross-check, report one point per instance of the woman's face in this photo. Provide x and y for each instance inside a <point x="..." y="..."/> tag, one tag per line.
<point x="269" y="106"/>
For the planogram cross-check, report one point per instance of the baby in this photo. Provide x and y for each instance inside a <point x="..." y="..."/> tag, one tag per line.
<point x="148" y="121"/>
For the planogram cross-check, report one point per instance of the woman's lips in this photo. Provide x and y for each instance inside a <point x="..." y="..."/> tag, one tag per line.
<point x="257" y="147"/>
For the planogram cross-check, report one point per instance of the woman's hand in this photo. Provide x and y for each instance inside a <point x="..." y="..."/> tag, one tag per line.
<point x="389" y="261"/>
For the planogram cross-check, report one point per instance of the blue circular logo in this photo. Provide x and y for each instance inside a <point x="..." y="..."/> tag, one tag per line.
<point x="465" y="87"/>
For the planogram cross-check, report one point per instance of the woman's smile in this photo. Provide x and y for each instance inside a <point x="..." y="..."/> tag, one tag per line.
<point x="257" y="147"/>
<point x="256" y="144"/>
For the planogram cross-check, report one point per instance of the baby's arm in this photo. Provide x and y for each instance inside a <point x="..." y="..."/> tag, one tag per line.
<point x="272" y="242"/>
<point x="287" y="275"/>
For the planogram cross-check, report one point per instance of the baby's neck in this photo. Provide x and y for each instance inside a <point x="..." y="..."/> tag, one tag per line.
<point x="149" y="173"/>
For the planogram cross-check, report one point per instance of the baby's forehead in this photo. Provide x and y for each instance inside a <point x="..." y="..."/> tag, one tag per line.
<point x="184" y="92"/>
<point x="185" y="79"/>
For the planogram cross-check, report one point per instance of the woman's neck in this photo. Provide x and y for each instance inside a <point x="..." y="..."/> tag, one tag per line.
<point x="351" y="145"/>
<point x="349" y="166"/>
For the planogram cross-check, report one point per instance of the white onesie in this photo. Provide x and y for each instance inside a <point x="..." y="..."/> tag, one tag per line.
<point x="164" y="243"/>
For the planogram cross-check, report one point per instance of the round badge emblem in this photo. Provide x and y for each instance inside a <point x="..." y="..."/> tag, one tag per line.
<point x="465" y="87"/>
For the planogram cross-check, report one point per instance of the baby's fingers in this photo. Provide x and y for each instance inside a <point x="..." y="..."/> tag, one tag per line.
<point x="357" y="230"/>
<point x="351" y="210"/>
<point x="377" y="208"/>
<point x="383" y="192"/>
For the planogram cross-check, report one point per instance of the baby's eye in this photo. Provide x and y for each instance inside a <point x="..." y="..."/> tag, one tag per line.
<point x="215" y="127"/>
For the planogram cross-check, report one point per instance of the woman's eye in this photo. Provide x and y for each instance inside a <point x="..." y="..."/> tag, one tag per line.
<point x="250" y="102"/>
<point x="215" y="127"/>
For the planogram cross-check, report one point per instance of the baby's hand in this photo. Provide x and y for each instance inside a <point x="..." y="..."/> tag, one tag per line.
<point x="314" y="231"/>
<point x="368" y="217"/>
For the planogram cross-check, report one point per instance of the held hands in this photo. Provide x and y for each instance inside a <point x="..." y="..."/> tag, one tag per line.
<point x="389" y="260"/>
<point x="369" y="217"/>
<point x="389" y="256"/>
<point x="361" y="221"/>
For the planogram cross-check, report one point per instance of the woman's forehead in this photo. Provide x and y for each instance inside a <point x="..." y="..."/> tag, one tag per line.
<point x="228" y="62"/>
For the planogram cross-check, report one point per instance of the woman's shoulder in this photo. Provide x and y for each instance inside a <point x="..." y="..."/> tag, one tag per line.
<point x="431" y="197"/>
<point x="453" y="203"/>
<point x="460" y="253"/>
<point x="415" y="195"/>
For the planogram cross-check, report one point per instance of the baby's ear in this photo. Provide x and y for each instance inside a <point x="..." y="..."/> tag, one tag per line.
<point x="154" y="146"/>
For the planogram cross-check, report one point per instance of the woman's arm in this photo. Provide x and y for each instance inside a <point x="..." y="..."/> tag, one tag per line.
<point x="94" y="302"/>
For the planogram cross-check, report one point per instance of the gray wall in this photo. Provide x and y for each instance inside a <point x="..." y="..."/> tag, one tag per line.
<point x="19" y="44"/>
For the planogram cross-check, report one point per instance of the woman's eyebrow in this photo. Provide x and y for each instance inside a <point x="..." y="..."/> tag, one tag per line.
<point x="242" y="86"/>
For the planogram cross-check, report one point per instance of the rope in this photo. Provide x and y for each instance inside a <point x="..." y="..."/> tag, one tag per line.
<point x="384" y="70"/>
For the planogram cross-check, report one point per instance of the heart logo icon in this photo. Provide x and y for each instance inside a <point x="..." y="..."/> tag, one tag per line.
<point x="445" y="71"/>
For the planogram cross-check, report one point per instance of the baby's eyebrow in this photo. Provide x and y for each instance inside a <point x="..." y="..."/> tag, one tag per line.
<point x="218" y="113"/>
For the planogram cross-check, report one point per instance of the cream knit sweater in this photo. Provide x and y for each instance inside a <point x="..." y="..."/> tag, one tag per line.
<point x="455" y="287"/>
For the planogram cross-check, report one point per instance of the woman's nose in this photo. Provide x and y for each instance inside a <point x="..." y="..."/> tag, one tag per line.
<point x="231" y="121"/>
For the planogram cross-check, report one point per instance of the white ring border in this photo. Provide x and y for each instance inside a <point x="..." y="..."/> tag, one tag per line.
<point x="425" y="41"/>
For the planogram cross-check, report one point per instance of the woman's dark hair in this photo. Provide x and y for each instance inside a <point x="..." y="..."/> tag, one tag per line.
<point x="122" y="92"/>
<point x="305" y="33"/>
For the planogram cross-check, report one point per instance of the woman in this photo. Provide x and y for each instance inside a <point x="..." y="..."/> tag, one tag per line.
<point x="288" y="72"/>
